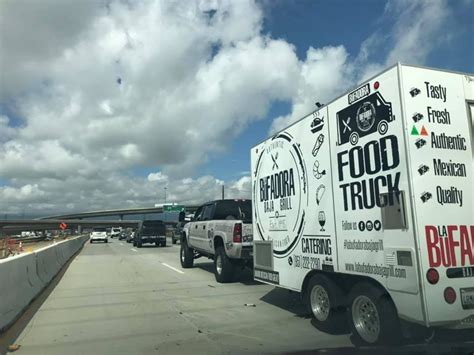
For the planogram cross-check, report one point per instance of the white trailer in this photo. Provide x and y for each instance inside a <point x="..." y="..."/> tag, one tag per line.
<point x="365" y="206"/>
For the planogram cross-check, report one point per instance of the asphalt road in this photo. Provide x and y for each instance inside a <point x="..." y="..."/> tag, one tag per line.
<point x="116" y="299"/>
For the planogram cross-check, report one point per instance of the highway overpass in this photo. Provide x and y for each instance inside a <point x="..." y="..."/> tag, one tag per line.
<point x="81" y="220"/>
<point x="17" y="226"/>
<point x="120" y="213"/>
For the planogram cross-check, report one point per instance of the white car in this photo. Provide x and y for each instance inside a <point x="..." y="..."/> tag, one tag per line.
<point x="99" y="234"/>
<point x="115" y="232"/>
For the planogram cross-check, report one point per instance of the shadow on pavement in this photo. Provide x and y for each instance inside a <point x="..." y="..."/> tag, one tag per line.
<point x="443" y="342"/>
<point x="11" y="335"/>
<point x="411" y="349"/>
<point x="244" y="276"/>
<point x="288" y="300"/>
<point x="153" y="246"/>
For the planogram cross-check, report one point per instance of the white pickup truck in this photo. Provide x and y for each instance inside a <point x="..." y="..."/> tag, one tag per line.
<point x="220" y="230"/>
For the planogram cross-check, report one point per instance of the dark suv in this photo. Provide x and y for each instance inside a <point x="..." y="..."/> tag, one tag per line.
<point x="150" y="232"/>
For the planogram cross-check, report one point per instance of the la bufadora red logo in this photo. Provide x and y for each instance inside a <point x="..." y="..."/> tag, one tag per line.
<point x="444" y="243"/>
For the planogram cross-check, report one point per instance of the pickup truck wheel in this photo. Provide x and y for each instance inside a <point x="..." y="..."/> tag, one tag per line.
<point x="374" y="317"/>
<point x="91" y="241"/>
<point x="173" y="239"/>
<point x="186" y="256"/>
<point x="139" y="244"/>
<point x="223" y="267"/>
<point x="326" y="302"/>
<point x="163" y="244"/>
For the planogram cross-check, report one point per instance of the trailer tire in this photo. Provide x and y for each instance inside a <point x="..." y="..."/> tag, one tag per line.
<point x="326" y="302"/>
<point x="373" y="316"/>
<point x="223" y="267"/>
<point x="186" y="255"/>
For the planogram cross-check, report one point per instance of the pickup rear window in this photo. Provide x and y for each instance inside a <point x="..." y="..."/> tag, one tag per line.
<point x="99" y="230"/>
<point x="153" y="228"/>
<point x="229" y="209"/>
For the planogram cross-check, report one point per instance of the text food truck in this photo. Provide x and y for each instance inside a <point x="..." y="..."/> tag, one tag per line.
<point x="365" y="206"/>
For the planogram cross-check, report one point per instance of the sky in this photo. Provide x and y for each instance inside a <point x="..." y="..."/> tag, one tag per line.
<point x="105" y="103"/>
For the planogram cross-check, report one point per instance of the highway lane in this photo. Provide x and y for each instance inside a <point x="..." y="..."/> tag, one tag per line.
<point x="116" y="299"/>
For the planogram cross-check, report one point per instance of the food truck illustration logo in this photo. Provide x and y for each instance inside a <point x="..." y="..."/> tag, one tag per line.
<point x="281" y="193"/>
<point x="372" y="114"/>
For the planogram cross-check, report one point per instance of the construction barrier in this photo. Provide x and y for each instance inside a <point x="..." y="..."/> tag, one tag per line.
<point x="24" y="276"/>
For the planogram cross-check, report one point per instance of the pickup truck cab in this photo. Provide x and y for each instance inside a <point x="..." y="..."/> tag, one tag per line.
<point x="153" y="231"/>
<point x="220" y="230"/>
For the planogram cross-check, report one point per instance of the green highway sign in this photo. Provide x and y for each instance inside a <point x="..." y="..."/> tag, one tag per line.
<point x="173" y="208"/>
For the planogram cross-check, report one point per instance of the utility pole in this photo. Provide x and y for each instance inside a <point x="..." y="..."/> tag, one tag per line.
<point x="165" y="194"/>
<point x="222" y="191"/>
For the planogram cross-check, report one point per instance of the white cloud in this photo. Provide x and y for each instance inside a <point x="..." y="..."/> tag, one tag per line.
<point x="103" y="87"/>
<point x="323" y="74"/>
<point x="418" y="29"/>
<point x="329" y="71"/>
<point x="158" y="176"/>
<point x="6" y="132"/>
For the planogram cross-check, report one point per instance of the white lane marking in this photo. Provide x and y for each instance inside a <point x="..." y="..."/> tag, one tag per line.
<point x="133" y="249"/>
<point x="121" y="243"/>
<point x="172" y="268"/>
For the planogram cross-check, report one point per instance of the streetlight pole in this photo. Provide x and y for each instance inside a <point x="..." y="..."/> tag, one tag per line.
<point x="165" y="193"/>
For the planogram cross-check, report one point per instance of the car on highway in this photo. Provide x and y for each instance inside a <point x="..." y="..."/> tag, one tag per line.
<point x="151" y="231"/>
<point x="99" y="234"/>
<point x="130" y="237"/>
<point x="123" y="235"/>
<point x="220" y="230"/>
<point x="177" y="231"/>
<point x="115" y="232"/>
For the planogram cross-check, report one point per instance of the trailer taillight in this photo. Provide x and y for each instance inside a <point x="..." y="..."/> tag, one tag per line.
<point x="433" y="276"/>
<point x="237" y="238"/>
<point x="449" y="295"/>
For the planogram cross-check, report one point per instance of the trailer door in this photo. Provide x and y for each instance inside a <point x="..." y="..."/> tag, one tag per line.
<point x="375" y="232"/>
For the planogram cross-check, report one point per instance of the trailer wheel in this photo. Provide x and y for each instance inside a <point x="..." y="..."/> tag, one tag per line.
<point x="373" y="315"/>
<point x="223" y="267"/>
<point x="186" y="255"/>
<point x="326" y="302"/>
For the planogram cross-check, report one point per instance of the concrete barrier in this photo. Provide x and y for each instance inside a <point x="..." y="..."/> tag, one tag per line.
<point x="23" y="277"/>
